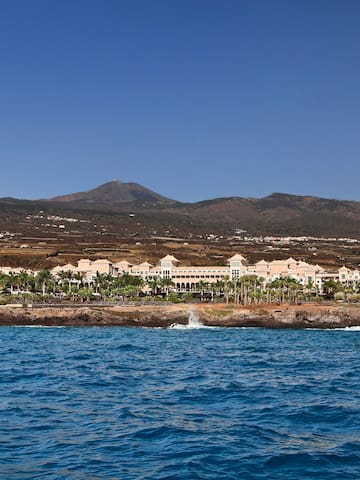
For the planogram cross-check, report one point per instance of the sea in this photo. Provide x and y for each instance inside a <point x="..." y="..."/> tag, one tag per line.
<point x="179" y="403"/>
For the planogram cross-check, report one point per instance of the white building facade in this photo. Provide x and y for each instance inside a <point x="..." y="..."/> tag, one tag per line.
<point x="188" y="278"/>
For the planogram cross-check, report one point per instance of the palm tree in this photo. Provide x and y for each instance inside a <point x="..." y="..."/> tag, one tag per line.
<point x="309" y="289"/>
<point x="79" y="277"/>
<point x="130" y="291"/>
<point x="258" y="295"/>
<point x="227" y="288"/>
<point x="247" y="281"/>
<point x="275" y="291"/>
<point x="202" y="286"/>
<point x="85" y="294"/>
<point x="45" y="279"/>
<point x="278" y="288"/>
<point x="166" y="284"/>
<point x="294" y="288"/>
<point x="97" y="282"/>
<point x="12" y="281"/>
<point x="72" y="292"/>
<point x="236" y="285"/>
<point x="218" y="287"/>
<point x="154" y="285"/>
<point x="330" y="287"/>
<point x="3" y="280"/>
<point x="107" y="280"/>
<point x="23" y="280"/>
<point x="66" y="277"/>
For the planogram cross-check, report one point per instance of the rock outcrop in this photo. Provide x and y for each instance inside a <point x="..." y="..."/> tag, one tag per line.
<point x="301" y="316"/>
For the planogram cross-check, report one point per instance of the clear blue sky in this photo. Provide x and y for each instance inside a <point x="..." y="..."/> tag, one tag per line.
<point x="194" y="99"/>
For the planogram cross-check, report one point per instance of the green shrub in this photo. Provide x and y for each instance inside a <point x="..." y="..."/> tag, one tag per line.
<point x="4" y="300"/>
<point x="173" y="298"/>
<point x="339" y="296"/>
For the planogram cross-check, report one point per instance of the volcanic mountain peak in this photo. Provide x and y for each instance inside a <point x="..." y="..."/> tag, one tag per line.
<point x="276" y="214"/>
<point x="114" y="192"/>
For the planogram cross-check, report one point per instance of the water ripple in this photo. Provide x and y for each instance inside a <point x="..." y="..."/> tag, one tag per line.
<point x="214" y="404"/>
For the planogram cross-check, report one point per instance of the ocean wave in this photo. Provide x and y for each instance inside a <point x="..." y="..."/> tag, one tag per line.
<point x="144" y="403"/>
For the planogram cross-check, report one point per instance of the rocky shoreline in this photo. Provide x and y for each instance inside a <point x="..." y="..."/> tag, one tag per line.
<point x="219" y="315"/>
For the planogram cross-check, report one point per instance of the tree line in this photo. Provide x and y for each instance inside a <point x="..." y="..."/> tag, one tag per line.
<point x="245" y="290"/>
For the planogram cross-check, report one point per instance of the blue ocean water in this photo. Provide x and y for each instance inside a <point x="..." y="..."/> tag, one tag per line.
<point x="122" y="403"/>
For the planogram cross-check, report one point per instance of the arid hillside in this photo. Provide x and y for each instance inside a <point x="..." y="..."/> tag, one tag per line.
<point x="125" y="220"/>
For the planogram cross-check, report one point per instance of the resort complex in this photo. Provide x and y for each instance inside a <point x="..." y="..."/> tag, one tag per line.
<point x="193" y="279"/>
<point x="188" y="278"/>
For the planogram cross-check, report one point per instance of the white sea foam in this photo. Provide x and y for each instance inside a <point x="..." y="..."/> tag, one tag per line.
<point x="194" y="323"/>
<point x="356" y="328"/>
<point x="349" y="329"/>
<point x="38" y="326"/>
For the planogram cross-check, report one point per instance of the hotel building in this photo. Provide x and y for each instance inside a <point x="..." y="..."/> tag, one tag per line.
<point x="188" y="278"/>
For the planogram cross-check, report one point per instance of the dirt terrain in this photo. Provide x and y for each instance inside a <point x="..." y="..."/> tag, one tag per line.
<point x="127" y="221"/>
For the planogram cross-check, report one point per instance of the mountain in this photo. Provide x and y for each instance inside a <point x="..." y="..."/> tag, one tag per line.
<point x="283" y="214"/>
<point x="113" y="193"/>
<point x="276" y="214"/>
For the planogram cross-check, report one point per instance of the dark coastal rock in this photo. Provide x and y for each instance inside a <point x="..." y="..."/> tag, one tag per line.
<point x="304" y="316"/>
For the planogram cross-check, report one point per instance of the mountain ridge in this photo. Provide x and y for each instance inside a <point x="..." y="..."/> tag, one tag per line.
<point x="113" y="192"/>
<point x="277" y="213"/>
<point x="126" y="192"/>
<point x="132" y="191"/>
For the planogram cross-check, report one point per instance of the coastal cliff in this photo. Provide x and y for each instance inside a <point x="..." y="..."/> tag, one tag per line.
<point x="285" y="316"/>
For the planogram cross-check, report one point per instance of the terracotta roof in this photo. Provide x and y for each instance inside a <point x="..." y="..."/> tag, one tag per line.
<point x="67" y="267"/>
<point x="171" y="258"/>
<point x="237" y="256"/>
<point x="122" y="262"/>
<point x="145" y="264"/>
